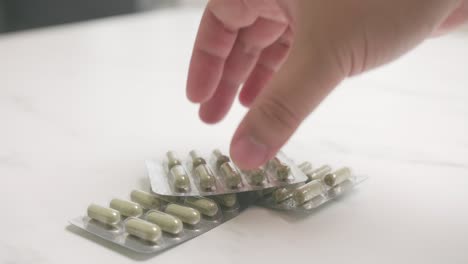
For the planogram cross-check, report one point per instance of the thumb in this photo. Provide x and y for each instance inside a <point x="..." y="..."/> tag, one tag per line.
<point x="299" y="86"/>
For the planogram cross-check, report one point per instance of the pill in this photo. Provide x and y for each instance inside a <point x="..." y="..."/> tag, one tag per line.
<point x="282" y="170"/>
<point x="256" y="176"/>
<point x="205" y="176"/>
<point x="220" y="158"/>
<point x="305" y="167"/>
<point x="319" y="173"/>
<point x="167" y="222"/>
<point x="337" y="177"/>
<point x="205" y="206"/>
<point x="172" y="160"/>
<point x="308" y="191"/>
<point x="146" y="200"/>
<point x="126" y="208"/>
<point x="340" y="188"/>
<point x="283" y="193"/>
<point x="231" y="175"/>
<point x="197" y="160"/>
<point x="186" y="214"/>
<point x="104" y="215"/>
<point x="180" y="179"/>
<point x="143" y="229"/>
<point x="228" y="200"/>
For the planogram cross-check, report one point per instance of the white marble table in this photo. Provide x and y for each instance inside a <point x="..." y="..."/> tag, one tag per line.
<point x="82" y="106"/>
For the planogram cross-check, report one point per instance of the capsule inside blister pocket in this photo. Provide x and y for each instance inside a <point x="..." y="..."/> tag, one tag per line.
<point x="281" y="194"/>
<point x="318" y="173"/>
<point x="281" y="170"/>
<point x="168" y="223"/>
<point x="220" y="158"/>
<point x="231" y="176"/>
<point x="178" y="176"/>
<point x="337" y="177"/>
<point x="186" y="214"/>
<point x="104" y="215"/>
<point x="143" y="229"/>
<point x="256" y="176"/>
<point x="205" y="206"/>
<point x="126" y="208"/>
<point x="146" y="200"/>
<point x="227" y="200"/>
<point x="206" y="178"/>
<point x="308" y="191"/>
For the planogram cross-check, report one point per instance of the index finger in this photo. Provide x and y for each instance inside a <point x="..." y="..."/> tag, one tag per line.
<point x="215" y="38"/>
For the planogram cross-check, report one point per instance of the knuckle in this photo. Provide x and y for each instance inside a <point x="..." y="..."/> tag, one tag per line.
<point x="278" y="114"/>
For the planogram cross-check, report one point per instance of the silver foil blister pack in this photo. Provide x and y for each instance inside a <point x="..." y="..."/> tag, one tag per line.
<point x="215" y="173"/>
<point x="158" y="226"/>
<point x="323" y="185"/>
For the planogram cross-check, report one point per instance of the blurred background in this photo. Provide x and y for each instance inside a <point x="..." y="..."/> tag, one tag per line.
<point x="18" y="15"/>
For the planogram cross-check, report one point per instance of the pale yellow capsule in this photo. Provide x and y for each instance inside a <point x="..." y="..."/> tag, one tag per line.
<point x="231" y="175"/>
<point x="228" y="200"/>
<point x="337" y="177"/>
<point x="143" y="229"/>
<point x="319" y="173"/>
<point x="146" y="200"/>
<point x="206" y="206"/>
<point x="305" y="167"/>
<point x="167" y="222"/>
<point x="126" y="208"/>
<point x="308" y="191"/>
<point x="104" y="215"/>
<point x="283" y="193"/>
<point x="186" y="214"/>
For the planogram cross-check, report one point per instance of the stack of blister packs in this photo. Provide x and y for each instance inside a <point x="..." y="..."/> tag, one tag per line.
<point x="191" y="196"/>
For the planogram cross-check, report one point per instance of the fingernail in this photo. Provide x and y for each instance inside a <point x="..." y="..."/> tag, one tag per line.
<point x="247" y="153"/>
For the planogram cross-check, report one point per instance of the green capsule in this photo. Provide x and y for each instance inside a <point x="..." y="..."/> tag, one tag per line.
<point x="337" y="177"/>
<point x="143" y="229"/>
<point x="220" y="158"/>
<point x="167" y="222"/>
<point x="228" y="200"/>
<point x="172" y="160"/>
<point x="180" y="179"/>
<point x="282" y="170"/>
<point x="186" y="214"/>
<point x="197" y="160"/>
<point x="308" y="191"/>
<point x="126" y="208"/>
<point x="146" y="200"/>
<point x="231" y="176"/>
<point x="206" y="206"/>
<point x="256" y="176"/>
<point x="206" y="177"/>
<point x="104" y="215"/>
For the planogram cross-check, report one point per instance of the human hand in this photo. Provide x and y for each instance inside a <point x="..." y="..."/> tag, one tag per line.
<point x="289" y="54"/>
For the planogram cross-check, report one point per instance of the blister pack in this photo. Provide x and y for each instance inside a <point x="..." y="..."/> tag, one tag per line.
<point x="322" y="185"/>
<point x="198" y="176"/>
<point x="150" y="223"/>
